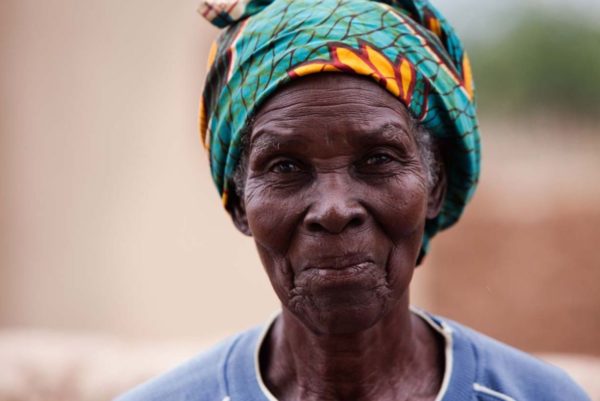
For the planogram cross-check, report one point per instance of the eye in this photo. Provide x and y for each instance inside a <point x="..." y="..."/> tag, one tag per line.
<point x="378" y="159"/>
<point x="285" y="167"/>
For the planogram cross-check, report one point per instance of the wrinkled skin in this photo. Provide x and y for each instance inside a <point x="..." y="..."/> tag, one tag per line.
<point x="336" y="198"/>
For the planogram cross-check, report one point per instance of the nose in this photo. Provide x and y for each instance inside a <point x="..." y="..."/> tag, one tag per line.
<point x="336" y="207"/>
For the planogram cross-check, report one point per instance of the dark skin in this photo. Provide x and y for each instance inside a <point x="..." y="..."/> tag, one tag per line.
<point x="336" y="198"/>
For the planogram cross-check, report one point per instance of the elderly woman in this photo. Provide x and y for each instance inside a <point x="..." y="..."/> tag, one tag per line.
<point x="342" y="136"/>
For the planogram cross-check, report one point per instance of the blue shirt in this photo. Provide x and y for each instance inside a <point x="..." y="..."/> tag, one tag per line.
<point x="478" y="368"/>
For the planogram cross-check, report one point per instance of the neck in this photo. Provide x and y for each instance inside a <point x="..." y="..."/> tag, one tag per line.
<point x="398" y="358"/>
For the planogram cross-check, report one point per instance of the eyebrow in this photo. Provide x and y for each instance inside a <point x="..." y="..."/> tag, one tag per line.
<point x="390" y="132"/>
<point x="266" y="141"/>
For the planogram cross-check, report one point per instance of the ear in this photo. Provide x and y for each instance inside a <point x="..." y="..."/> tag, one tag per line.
<point x="237" y="211"/>
<point x="437" y="193"/>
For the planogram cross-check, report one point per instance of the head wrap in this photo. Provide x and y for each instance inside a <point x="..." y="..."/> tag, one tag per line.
<point x="406" y="46"/>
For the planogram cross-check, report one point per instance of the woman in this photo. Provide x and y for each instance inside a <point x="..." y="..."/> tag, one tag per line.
<point x="342" y="136"/>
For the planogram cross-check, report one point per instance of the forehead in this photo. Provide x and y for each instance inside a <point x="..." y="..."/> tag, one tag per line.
<point x="332" y="105"/>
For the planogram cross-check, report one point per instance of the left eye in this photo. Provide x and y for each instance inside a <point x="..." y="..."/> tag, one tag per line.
<point x="285" y="166"/>
<point x="378" y="159"/>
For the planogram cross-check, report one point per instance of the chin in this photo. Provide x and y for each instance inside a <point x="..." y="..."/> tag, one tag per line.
<point x="341" y="315"/>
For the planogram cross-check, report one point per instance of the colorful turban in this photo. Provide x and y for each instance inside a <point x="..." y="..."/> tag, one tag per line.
<point x="406" y="46"/>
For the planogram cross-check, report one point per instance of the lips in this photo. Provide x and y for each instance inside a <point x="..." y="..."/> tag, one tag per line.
<point x="339" y="262"/>
<point x="333" y="281"/>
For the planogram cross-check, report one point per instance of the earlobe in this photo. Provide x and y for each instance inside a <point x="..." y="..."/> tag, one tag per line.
<point x="437" y="194"/>
<point x="237" y="210"/>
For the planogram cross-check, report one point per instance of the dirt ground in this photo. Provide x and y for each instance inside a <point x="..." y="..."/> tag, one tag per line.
<point x="523" y="264"/>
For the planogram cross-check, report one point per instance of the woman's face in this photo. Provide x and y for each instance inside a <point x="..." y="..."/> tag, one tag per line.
<point x="336" y="198"/>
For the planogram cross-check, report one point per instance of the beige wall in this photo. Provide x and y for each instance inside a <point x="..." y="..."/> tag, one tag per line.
<point x="109" y="219"/>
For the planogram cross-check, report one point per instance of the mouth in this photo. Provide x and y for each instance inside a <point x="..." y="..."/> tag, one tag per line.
<point x="344" y="274"/>
<point x="347" y="280"/>
<point x="344" y="267"/>
<point x="343" y="262"/>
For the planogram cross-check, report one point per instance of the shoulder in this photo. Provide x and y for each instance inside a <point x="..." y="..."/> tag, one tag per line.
<point x="506" y="373"/>
<point x="199" y="379"/>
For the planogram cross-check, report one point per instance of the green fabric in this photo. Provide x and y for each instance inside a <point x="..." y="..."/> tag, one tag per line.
<point x="406" y="46"/>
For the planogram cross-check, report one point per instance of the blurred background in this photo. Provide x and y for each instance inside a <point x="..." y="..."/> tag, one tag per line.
<point x="118" y="262"/>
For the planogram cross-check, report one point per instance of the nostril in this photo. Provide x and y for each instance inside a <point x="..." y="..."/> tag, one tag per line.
<point x="315" y="227"/>
<point x="355" y="222"/>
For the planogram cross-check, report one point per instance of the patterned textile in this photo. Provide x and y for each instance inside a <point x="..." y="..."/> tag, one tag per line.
<point x="405" y="46"/>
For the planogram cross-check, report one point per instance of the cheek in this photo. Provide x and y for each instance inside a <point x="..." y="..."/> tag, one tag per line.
<point x="273" y="221"/>
<point x="401" y="215"/>
<point x="278" y="271"/>
<point x="402" y="209"/>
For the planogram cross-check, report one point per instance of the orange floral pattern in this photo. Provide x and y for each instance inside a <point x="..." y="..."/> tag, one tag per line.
<point x="397" y="77"/>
